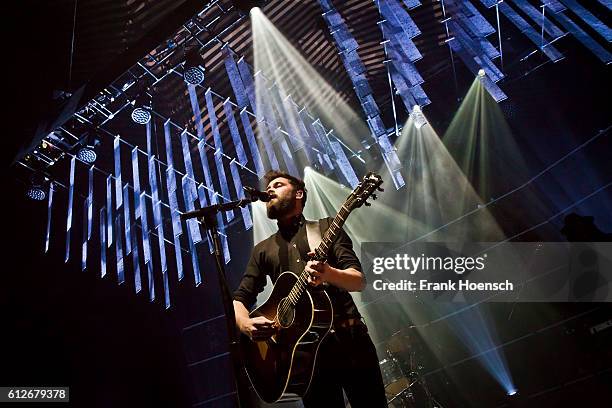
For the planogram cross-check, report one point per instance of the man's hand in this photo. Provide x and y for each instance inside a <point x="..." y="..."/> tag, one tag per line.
<point x="258" y="328"/>
<point x="349" y="279"/>
<point x="318" y="272"/>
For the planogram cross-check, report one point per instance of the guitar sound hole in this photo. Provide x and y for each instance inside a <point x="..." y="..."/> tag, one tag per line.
<point x="286" y="313"/>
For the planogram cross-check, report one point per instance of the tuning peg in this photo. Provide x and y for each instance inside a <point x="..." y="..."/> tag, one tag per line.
<point x="367" y="204"/>
<point x="380" y="189"/>
<point x="374" y="197"/>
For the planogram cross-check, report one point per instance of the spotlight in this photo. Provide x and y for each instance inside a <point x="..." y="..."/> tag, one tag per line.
<point x="194" y="68"/>
<point x="512" y="392"/>
<point x="141" y="115"/>
<point x="481" y="73"/>
<point x="87" y="155"/>
<point x="36" y="189"/>
<point x="142" y="109"/>
<point x="246" y="5"/>
<point x="418" y="118"/>
<point x="87" y="151"/>
<point x="36" y="193"/>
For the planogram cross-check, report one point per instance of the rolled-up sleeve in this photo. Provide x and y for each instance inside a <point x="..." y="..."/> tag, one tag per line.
<point x="343" y="254"/>
<point x="252" y="282"/>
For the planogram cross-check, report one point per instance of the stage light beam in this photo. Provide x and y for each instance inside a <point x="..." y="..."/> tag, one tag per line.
<point x="283" y="65"/>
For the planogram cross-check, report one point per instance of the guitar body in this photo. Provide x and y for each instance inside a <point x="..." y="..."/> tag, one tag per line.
<point x="282" y="366"/>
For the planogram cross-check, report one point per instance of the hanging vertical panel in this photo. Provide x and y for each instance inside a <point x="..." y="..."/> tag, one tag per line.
<point x="119" y="250"/>
<point x="49" y="211"/>
<point x="252" y="143"/>
<point x="102" y="242"/>
<point x="118" y="182"/>
<point x="109" y="212"/>
<point x="192" y="228"/>
<point x="218" y="155"/>
<point x="128" y="220"/>
<point x="84" y="242"/>
<point x="235" y="134"/>
<point x="246" y="215"/>
<point x="146" y="244"/>
<point x="69" y="209"/>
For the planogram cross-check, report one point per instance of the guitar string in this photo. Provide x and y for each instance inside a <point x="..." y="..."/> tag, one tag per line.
<point x="295" y="295"/>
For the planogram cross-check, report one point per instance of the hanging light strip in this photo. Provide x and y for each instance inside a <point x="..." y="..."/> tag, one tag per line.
<point x="69" y="209"/>
<point x="536" y="16"/>
<point x="590" y="19"/>
<point x="109" y="211"/>
<point x="344" y="165"/>
<point x="118" y="183"/>
<point x="136" y="182"/>
<point x="192" y="224"/>
<point x="84" y="243"/>
<point x="157" y="214"/>
<point x="234" y="76"/>
<point x="193" y="232"/>
<point x="321" y="136"/>
<point x="119" y="250"/>
<point x="549" y="50"/>
<point x="210" y="190"/>
<point x="146" y="245"/>
<point x="246" y="215"/>
<point x="49" y="211"/>
<point x="136" y="264"/>
<point x="177" y="228"/>
<point x="600" y="52"/>
<point x="212" y="116"/>
<point x="90" y="201"/>
<point x="252" y="143"/>
<point x="606" y="3"/>
<point x="235" y="134"/>
<point x="128" y="221"/>
<point x="191" y="191"/>
<point x="102" y="230"/>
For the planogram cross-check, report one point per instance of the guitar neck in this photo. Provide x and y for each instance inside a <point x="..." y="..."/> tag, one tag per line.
<point x="320" y="252"/>
<point x="331" y="234"/>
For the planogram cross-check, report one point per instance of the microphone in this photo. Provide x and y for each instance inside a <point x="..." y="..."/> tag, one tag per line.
<point x="254" y="193"/>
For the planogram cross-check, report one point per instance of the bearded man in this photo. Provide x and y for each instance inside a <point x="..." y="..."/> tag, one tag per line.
<point x="347" y="357"/>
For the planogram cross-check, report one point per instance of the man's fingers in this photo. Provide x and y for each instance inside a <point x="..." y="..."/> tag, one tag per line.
<point x="314" y="280"/>
<point x="257" y="333"/>
<point x="262" y="320"/>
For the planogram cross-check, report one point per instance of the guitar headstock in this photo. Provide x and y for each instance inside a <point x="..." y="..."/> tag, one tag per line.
<point x="364" y="190"/>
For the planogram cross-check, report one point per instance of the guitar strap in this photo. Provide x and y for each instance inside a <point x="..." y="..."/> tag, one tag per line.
<point x="313" y="234"/>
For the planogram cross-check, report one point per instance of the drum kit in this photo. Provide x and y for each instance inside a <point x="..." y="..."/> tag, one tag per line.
<point x="404" y="385"/>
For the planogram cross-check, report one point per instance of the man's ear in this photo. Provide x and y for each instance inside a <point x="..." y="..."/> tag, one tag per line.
<point x="299" y="194"/>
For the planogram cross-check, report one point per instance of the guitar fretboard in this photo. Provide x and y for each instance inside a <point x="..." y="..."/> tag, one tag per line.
<point x="320" y="252"/>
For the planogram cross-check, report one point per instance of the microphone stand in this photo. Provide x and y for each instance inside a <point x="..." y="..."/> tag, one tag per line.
<point x="208" y="217"/>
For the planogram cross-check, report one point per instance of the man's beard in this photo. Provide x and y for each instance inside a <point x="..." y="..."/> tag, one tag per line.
<point x="280" y="207"/>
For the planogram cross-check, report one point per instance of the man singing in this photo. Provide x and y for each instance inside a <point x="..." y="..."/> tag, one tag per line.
<point x="347" y="357"/>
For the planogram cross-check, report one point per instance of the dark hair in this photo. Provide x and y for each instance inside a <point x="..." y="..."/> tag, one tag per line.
<point x="297" y="183"/>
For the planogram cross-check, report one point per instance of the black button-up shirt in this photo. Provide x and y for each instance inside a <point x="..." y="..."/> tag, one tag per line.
<point x="287" y="250"/>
